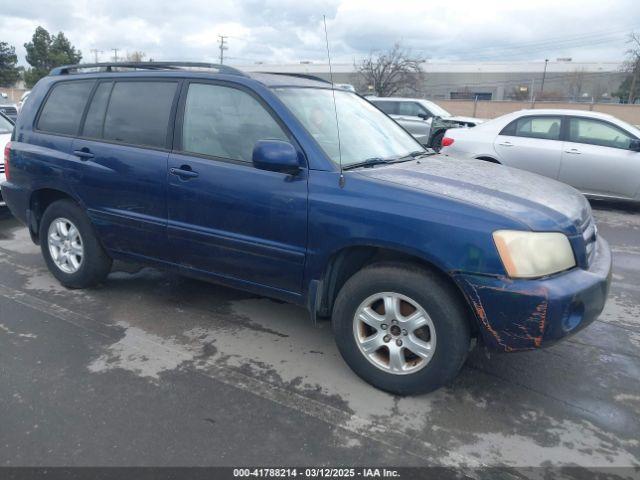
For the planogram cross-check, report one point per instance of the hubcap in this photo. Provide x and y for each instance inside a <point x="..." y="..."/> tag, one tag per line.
<point x="65" y="245"/>
<point x="394" y="333"/>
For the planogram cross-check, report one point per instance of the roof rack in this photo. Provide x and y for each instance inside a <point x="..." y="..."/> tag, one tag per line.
<point x="299" y="75"/>
<point x="110" y="66"/>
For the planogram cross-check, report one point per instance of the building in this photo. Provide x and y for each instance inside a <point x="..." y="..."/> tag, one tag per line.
<point x="564" y="79"/>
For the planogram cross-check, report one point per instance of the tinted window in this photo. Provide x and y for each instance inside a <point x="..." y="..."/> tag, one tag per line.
<point x="225" y="122"/>
<point x="547" y="128"/>
<point x="95" y="115"/>
<point x="139" y="112"/>
<point x="390" y="108"/>
<point x="412" y="109"/>
<point x="63" y="109"/>
<point x="595" y="132"/>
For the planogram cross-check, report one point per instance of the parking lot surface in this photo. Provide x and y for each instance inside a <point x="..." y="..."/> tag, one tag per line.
<point x="155" y="369"/>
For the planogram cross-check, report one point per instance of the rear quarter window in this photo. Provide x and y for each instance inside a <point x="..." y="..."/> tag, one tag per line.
<point x="541" y="127"/>
<point x="64" y="106"/>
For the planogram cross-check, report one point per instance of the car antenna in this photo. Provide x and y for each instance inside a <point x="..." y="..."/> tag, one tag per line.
<point x="333" y="93"/>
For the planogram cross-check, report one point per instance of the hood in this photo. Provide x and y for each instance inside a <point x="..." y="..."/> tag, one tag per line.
<point x="474" y="120"/>
<point x="533" y="200"/>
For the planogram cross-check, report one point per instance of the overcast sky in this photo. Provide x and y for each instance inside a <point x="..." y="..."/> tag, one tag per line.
<point x="274" y="31"/>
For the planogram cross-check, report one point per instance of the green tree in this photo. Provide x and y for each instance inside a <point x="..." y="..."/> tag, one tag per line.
<point x="8" y="65"/>
<point x="45" y="52"/>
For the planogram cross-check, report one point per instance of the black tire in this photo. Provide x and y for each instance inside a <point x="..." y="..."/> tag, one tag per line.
<point x="95" y="264"/>
<point x="437" y="298"/>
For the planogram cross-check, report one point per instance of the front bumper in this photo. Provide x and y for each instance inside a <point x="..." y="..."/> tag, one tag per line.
<point x="515" y="314"/>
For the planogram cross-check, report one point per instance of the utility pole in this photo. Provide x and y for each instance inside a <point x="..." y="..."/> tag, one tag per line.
<point x="532" y="96"/>
<point x="115" y="54"/>
<point x="544" y="75"/>
<point x="223" y="47"/>
<point x="95" y="52"/>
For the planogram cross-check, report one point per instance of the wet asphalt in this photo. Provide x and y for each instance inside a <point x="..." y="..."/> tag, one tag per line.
<point x="155" y="369"/>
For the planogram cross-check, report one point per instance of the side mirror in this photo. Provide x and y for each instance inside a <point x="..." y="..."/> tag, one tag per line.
<point x="276" y="156"/>
<point x="634" y="145"/>
<point x="424" y="116"/>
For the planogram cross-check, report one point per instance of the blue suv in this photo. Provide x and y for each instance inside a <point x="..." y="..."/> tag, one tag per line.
<point x="282" y="186"/>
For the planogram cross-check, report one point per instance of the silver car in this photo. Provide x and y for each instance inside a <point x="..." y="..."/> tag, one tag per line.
<point x="594" y="152"/>
<point x="417" y="115"/>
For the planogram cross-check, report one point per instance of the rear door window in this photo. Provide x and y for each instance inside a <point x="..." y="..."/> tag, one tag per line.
<point x="543" y="127"/>
<point x="94" y="122"/>
<point x="64" y="106"/>
<point x="139" y="113"/>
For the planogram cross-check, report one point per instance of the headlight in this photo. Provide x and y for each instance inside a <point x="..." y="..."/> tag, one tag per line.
<point x="533" y="254"/>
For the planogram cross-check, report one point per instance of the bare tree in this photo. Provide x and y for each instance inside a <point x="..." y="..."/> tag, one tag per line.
<point x="391" y="72"/>
<point x="136" y="56"/>
<point x="632" y="65"/>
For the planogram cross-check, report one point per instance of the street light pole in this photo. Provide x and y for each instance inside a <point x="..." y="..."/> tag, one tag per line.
<point x="544" y="75"/>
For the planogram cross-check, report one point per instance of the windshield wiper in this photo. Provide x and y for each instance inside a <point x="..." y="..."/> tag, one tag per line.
<point x="373" y="161"/>
<point x="369" y="162"/>
<point x="421" y="153"/>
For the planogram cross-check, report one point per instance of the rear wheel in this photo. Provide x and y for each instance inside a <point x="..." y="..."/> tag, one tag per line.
<point x="401" y="328"/>
<point x="70" y="248"/>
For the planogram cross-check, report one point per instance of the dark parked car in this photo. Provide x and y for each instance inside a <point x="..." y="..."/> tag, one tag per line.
<point x="242" y="179"/>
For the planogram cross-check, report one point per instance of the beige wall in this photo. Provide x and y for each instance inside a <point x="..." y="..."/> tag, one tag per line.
<point x="492" y="109"/>
<point x="13" y="94"/>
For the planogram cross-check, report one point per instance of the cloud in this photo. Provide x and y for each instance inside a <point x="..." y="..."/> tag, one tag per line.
<point x="291" y="30"/>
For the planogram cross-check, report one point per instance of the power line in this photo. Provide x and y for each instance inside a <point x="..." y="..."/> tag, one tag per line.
<point x="555" y="40"/>
<point x="115" y="54"/>
<point x="96" y="52"/>
<point x="555" y="44"/>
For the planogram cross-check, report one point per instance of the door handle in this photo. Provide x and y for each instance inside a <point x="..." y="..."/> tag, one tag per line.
<point x="573" y="151"/>
<point x="84" y="154"/>
<point x="506" y="144"/>
<point x="184" y="172"/>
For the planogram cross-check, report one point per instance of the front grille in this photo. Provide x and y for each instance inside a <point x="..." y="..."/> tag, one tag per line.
<point x="589" y="235"/>
<point x="1" y="167"/>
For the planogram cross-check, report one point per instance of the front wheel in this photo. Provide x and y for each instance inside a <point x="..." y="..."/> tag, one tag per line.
<point x="401" y="328"/>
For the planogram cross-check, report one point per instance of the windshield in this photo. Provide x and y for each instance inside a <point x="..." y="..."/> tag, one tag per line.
<point x="437" y="110"/>
<point x="5" y="125"/>
<point x="365" y="132"/>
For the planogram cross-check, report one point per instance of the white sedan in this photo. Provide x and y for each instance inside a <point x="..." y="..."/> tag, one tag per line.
<point x="596" y="153"/>
<point x="6" y="127"/>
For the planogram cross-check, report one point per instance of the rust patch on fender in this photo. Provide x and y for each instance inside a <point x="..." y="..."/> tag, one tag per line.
<point x="524" y="331"/>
